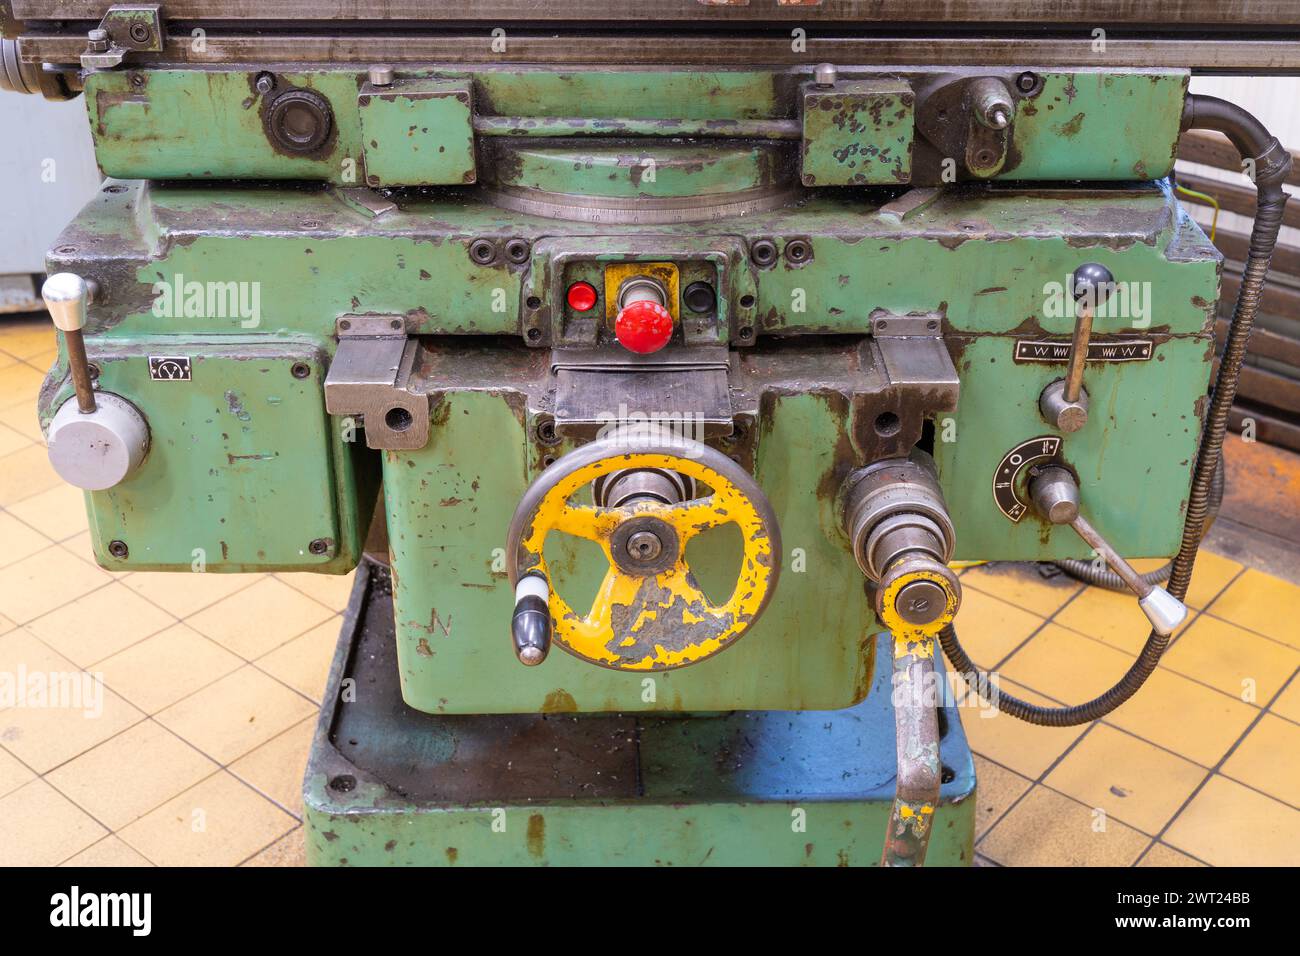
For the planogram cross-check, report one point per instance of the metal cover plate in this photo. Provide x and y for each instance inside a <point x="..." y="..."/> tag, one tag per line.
<point x="857" y="133"/>
<point x="417" y="132"/>
<point x="240" y="470"/>
<point x="696" y="400"/>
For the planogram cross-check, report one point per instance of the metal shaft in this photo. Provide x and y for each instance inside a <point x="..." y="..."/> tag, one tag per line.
<point x="1130" y="577"/>
<point x="79" y="366"/>
<point x="1078" y="353"/>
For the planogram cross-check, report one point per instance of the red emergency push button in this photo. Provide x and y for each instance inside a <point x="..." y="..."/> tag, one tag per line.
<point x="643" y="326"/>
<point x="582" y="296"/>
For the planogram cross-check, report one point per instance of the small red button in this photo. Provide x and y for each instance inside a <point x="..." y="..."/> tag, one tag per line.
<point x="582" y="296"/>
<point x="643" y="326"/>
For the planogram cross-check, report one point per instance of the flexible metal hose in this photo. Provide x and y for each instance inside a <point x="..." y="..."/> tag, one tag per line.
<point x="1271" y="165"/>
<point x="1100" y="576"/>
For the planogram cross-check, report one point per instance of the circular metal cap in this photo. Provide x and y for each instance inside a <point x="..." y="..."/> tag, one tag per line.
<point x="99" y="449"/>
<point x="921" y="602"/>
<point x="300" y="120"/>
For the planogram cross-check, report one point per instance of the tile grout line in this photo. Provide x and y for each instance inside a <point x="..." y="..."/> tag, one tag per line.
<point x="1041" y="780"/>
<point x="1217" y="768"/>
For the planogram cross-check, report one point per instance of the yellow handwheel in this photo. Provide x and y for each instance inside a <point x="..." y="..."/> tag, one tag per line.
<point x="649" y="613"/>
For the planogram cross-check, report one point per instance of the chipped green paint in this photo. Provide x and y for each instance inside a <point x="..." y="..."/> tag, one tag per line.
<point x="449" y="505"/>
<point x="858" y="134"/>
<point x="628" y="172"/>
<point x="418" y="132"/>
<point x="208" y="124"/>
<point x="144" y="122"/>
<point x="745" y="788"/>
<point x="244" y="471"/>
<point x="1098" y="125"/>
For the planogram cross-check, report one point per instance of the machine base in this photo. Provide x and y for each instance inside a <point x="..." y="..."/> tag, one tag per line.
<point x="389" y="785"/>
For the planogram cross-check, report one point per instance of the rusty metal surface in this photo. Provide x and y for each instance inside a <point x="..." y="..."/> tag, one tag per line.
<point x="1268" y="54"/>
<point x="916" y="735"/>
<point x="1227" y="14"/>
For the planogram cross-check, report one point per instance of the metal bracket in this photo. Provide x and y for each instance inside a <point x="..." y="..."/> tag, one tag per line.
<point x="912" y="349"/>
<point x="598" y="389"/>
<point x="126" y="28"/>
<point x="370" y="377"/>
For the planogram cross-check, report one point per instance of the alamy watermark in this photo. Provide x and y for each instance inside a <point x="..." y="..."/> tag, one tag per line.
<point x="182" y="299"/>
<point x="1129" y="301"/>
<point x="65" y="690"/>
<point x="681" y="431"/>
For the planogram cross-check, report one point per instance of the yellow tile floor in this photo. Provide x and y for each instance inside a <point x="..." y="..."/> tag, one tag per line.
<point x="193" y="751"/>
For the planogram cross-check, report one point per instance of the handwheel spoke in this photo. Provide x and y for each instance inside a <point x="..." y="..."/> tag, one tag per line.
<point x="692" y="517"/>
<point x="679" y="581"/>
<point x="585" y="521"/>
<point x="616" y="588"/>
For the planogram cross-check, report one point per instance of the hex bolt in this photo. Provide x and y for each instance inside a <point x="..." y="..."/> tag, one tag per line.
<point x="265" y="83"/>
<point x="381" y="75"/>
<point x="97" y="41"/>
<point x="482" y="251"/>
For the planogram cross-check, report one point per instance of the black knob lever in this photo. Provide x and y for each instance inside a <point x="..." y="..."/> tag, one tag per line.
<point x="530" y="627"/>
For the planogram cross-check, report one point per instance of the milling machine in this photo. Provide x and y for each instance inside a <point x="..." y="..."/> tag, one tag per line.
<point x="656" y="367"/>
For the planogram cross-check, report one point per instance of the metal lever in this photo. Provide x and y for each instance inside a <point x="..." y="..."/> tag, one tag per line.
<point x="66" y="295"/>
<point x="1056" y="496"/>
<point x="1064" y="403"/>
<point x="100" y="439"/>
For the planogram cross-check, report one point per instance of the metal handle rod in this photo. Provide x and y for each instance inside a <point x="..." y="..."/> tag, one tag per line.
<point x="1078" y="353"/>
<point x="66" y="296"/>
<point x="1126" y="573"/>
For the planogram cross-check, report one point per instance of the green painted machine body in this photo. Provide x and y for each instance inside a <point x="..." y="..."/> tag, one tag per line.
<point x="1083" y="124"/>
<point x="266" y="234"/>
<point x="233" y="439"/>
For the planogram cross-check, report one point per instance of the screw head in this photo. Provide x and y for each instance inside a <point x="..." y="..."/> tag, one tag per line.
<point x="921" y="602"/>
<point x="319" y="546"/>
<point x="825" y="74"/>
<point x="381" y="75"/>
<point x="482" y="251"/>
<point x="118" y="549"/>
